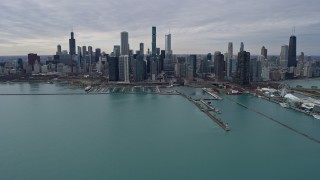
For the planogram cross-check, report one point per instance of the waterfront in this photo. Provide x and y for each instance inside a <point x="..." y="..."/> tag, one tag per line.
<point x="136" y="136"/>
<point x="305" y="83"/>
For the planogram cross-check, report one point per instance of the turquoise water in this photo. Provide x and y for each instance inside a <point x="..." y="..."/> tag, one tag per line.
<point x="157" y="137"/>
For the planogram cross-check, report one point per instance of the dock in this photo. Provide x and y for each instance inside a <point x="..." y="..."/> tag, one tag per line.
<point x="210" y="107"/>
<point x="224" y="126"/>
<point x="215" y="96"/>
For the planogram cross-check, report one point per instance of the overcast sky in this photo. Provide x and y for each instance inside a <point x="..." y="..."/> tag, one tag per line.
<point x="197" y="26"/>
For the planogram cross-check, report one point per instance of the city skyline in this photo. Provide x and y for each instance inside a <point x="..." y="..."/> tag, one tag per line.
<point x="197" y="27"/>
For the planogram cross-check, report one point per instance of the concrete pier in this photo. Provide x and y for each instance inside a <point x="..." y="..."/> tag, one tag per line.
<point x="223" y="125"/>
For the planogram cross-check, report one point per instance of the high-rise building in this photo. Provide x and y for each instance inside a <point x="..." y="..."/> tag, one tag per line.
<point x="154" y="41"/>
<point x="124" y="68"/>
<point x="229" y="59"/>
<point x="256" y="68"/>
<point x="219" y="66"/>
<point x="193" y="63"/>
<point x="58" y="50"/>
<point x="124" y="43"/>
<point x="113" y="68"/>
<point x="230" y="50"/>
<point x="97" y="54"/>
<point x="241" y="47"/>
<point x="168" y="61"/>
<point x="292" y="53"/>
<point x="116" y="50"/>
<point x="32" y="58"/>
<point x="79" y="58"/>
<point x="84" y="59"/>
<point x="243" y="68"/>
<point x="90" y="58"/>
<point x="72" y="45"/>
<point x="284" y="56"/>
<point x="264" y="52"/>
<point x="141" y="48"/>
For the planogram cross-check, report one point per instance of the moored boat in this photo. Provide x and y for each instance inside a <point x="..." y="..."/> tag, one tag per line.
<point x="317" y="116"/>
<point x="87" y="88"/>
<point x="234" y="92"/>
<point x="285" y="105"/>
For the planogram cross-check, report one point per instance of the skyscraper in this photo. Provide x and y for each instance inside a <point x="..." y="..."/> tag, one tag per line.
<point x="124" y="57"/>
<point x="124" y="68"/>
<point x="124" y="43"/>
<point x="264" y="52"/>
<point x="193" y="63"/>
<point x="72" y="45"/>
<point x="284" y="56"/>
<point x="230" y="50"/>
<point x="58" y="50"/>
<point x="141" y="48"/>
<point x="154" y="41"/>
<point x="113" y="68"/>
<point x="84" y="59"/>
<point x="243" y="68"/>
<point x="219" y="66"/>
<point x="97" y="54"/>
<point x="229" y="59"/>
<point x="116" y="50"/>
<point x="168" y="61"/>
<point x="292" y="53"/>
<point x="79" y="58"/>
<point x="241" y="47"/>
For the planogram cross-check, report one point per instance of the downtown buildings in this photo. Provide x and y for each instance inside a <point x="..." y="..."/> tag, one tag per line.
<point x="156" y="65"/>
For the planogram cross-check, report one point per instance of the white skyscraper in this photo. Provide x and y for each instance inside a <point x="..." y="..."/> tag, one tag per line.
<point x="124" y="68"/>
<point x="168" y="61"/>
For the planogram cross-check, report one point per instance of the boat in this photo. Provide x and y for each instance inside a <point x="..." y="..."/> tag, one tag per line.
<point x="285" y="105"/>
<point x="234" y="92"/>
<point x="87" y="88"/>
<point x="317" y="116"/>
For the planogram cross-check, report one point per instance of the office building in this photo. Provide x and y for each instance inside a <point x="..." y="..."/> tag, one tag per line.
<point x="264" y="52"/>
<point x="284" y="56"/>
<point x="72" y="45"/>
<point x="219" y="66"/>
<point x="243" y="68"/>
<point x="154" y="41"/>
<point x="292" y="52"/>
<point x="113" y="68"/>
<point x="124" y="43"/>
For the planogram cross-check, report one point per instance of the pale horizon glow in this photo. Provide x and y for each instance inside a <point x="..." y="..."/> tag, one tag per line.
<point x="197" y="27"/>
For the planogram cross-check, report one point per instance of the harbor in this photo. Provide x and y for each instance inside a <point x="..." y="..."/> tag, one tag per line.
<point x="224" y="126"/>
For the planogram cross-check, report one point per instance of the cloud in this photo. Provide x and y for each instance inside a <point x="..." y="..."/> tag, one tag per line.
<point x="200" y="26"/>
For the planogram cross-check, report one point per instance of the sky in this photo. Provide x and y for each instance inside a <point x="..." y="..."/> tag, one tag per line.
<point x="197" y="26"/>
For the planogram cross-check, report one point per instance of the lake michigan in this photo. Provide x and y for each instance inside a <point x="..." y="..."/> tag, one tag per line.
<point x="149" y="136"/>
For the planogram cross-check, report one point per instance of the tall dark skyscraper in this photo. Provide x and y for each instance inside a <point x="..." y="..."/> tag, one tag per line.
<point x="243" y="68"/>
<point x="193" y="63"/>
<point x="97" y="54"/>
<point x="219" y="66"/>
<point x="113" y="68"/>
<point x="72" y="45"/>
<point x="264" y="52"/>
<point x="292" y="53"/>
<point x="58" y="50"/>
<point x="154" y="41"/>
